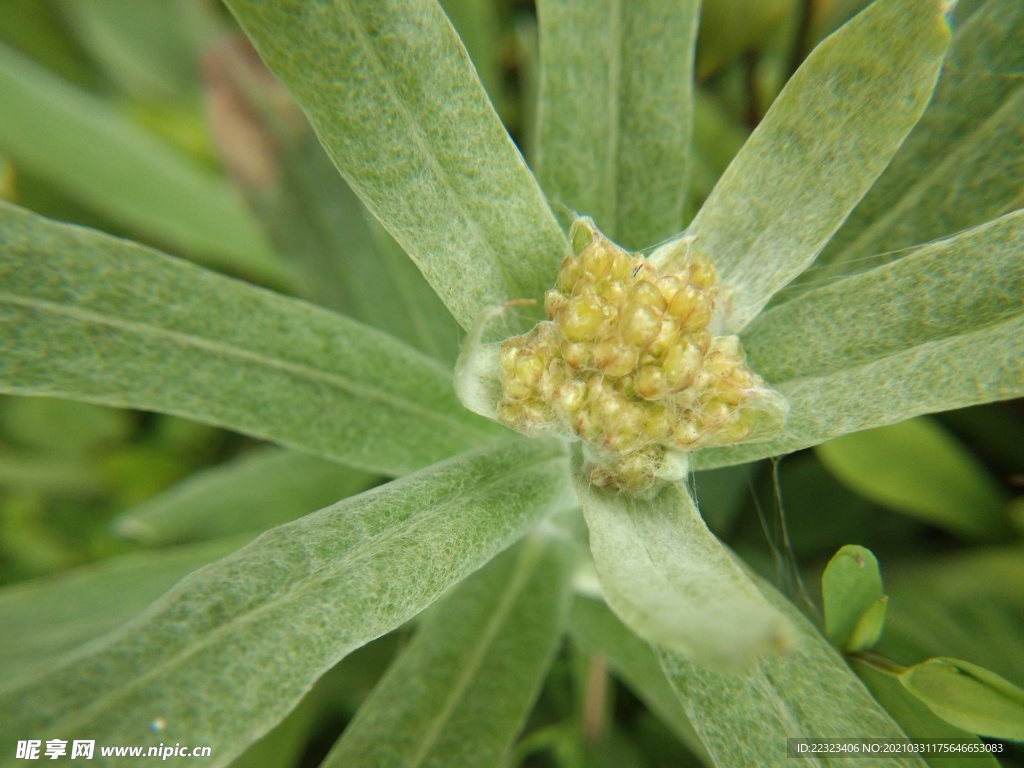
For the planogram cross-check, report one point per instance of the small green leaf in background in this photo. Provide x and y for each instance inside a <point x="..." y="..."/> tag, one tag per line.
<point x="85" y="147"/>
<point x="918" y="468"/>
<point x="671" y="581"/>
<point x="151" y="50"/>
<point x="480" y="228"/>
<point x="821" y="146"/>
<point x="461" y="691"/>
<point x="250" y="494"/>
<point x="915" y="718"/>
<point x="967" y="603"/>
<point x="615" y="113"/>
<point x="854" y="602"/>
<point x="729" y="28"/>
<point x="968" y="696"/>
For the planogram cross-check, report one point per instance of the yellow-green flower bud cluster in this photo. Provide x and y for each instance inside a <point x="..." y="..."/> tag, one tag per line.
<point x="627" y="364"/>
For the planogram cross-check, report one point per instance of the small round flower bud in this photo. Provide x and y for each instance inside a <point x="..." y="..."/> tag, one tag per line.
<point x="580" y="319"/>
<point x="681" y="365"/>
<point x="650" y="382"/>
<point x="615" y="357"/>
<point x="553" y="301"/>
<point x="639" y="324"/>
<point x="577" y="354"/>
<point x="569" y="274"/>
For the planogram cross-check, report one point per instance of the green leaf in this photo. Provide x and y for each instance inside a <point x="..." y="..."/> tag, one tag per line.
<point x="149" y="49"/>
<point x="834" y="352"/>
<point x="616" y="113"/>
<point x="968" y="696"/>
<point x="729" y="28"/>
<point x="461" y="691"/>
<point x="916" y="719"/>
<point x="936" y="291"/>
<point x="95" y="155"/>
<point x="345" y="261"/>
<point x="90" y="317"/>
<point x="46" y="618"/>
<point x="745" y="717"/>
<point x="918" y="468"/>
<point x="482" y="28"/>
<point x="821" y="146"/>
<point x="393" y="96"/>
<point x="962" y="163"/>
<point x="851" y="587"/>
<point x="969" y="604"/>
<point x="260" y="626"/>
<point x="671" y="581"/>
<point x="256" y="492"/>
<point x="596" y="629"/>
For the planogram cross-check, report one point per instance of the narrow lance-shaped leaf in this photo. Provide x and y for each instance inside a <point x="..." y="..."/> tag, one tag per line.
<point x="262" y="625"/>
<point x="597" y="630"/>
<point x="671" y="581"/>
<point x="86" y="148"/>
<point x="824" y="141"/>
<point x="745" y="717"/>
<point x="616" y="113"/>
<point x="150" y="50"/>
<point x="91" y="317"/>
<point x="963" y="162"/>
<point x="918" y="468"/>
<point x="47" y="618"/>
<point x="393" y="96"/>
<point x="346" y="262"/>
<point x="944" y="322"/>
<point x="460" y="692"/>
<point x="253" y="493"/>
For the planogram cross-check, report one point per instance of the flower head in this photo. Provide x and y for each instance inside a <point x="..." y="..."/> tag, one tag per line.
<point x="627" y="363"/>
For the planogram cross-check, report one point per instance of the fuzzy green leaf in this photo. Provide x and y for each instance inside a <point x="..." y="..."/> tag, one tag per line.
<point x="615" y="113"/>
<point x="594" y="627"/>
<point x="962" y="164"/>
<point x="671" y="581"/>
<point x="94" y="154"/>
<point x="918" y="468"/>
<point x="344" y="259"/>
<point x="90" y="317"/>
<point x="745" y="717"/>
<point x="944" y="322"/>
<point x="393" y="96"/>
<point x="821" y="146"/>
<point x="263" y="624"/>
<point x="254" y="493"/>
<point x="461" y="691"/>
<point x="47" y="618"/>
<point x="851" y="587"/>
